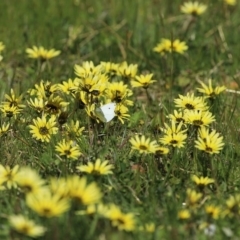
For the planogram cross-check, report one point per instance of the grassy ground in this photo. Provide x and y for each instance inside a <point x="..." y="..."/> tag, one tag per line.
<point x="152" y="187"/>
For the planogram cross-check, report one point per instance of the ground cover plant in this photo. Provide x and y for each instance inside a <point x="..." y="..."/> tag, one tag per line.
<point x="119" y="119"/>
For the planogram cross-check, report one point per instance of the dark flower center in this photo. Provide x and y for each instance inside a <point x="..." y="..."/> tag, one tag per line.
<point x="198" y="122"/>
<point x="43" y="131"/>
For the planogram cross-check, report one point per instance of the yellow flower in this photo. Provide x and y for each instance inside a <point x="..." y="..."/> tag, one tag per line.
<point x="81" y="191"/>
<point x="233" y="206"/>
<point x="190" y="102"/>
<point x="193" y="197"/>
<point x="13" y="101"/>
<point x="174" y="135"/>
<point x="68" y="149"/>
<point x="86" y="69"/>
<point x="193" y="8"/>
<point x="163" y="47"/>
<point x="55" y="105"/>
<point x="179" y="47"/>
<point x="10" y="111"/>
<point x="174" y="128"/>
<point x="44" y="90"/>
<point x="42" y="53"/>
<point x="143" y="144"/>
<point x="47" y="204"/>
<point x="202" y="182"/>
<point x="199" y="118"/>
<point x="211" y="144"/>
<point x="59" y="187"/>
<point x="162" y="151"/>
<point x="177" y="116"/>
<point x="94" y="84"/>
<point x="43" y="128"/>
<point x="213" y="211"/>
<point x="142" y="81"/>
<point x="123" y="221"/>
<point x="121" y="112"/>
<point x="26" y="226"/>
<point x="8" y="176"/>
<point x="184" y="214"/>
<point x="2" y="46"/>
<point x="231" y="2"/>
<point x="67" y="86"/>
<point x="38" y="104"/>
<point x="127" y="71"/>
<point x="110" y="68"/>
<point x="119" y="92"/>
<point x="167" y="45"/>
<point x="73" y="129"/>
<point x="209" y="91"/>
<point x="29" y="180"/>
<point x="98" y="168"/>
<point x="174" y="139"/>
<point x="4" y="129"/>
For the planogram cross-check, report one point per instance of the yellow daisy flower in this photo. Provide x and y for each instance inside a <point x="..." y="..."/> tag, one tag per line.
<point x="142" y="81"/>
<point x="37" y="104"/>
<point x="179" y="47"/>
<point x="8" y="176"/>
<point x="4" y="128"/>
<point x="67" y="86"/>
<point x="42" y="53"/>
<point x="174" y="139"/>
<point x="163" y="47"/>
<point x="174" y="128"/>
<point x="47" y="204"/>
<point x="199" y="118"/>
<point x="167" y="45"/>
<point x="143" y="144"/>
<point x="68" y="149"/>
<point x="184" y="214"/>
<point x="29" y="180"/>
<point x="82" y="192"/>
<point x="26" y="226"/>
<point x="213" y="143"/>
<point x="162" y="151"/>
<point x="121" y="112"/>
<point x="43" y="128"/>
<point x="86" y="69"/>
<point x="193" y="8"/>
<point x="123" y="221"/>
<point x="97" y="168"/>
<point x="190" y="102"/>
<point x="10" y="111"/>
<point x="55" y="104"/>
<point x="127" y="71"/>
<point x="193" y="198"/>
<point x="213" y="211"/>
<point x="111" y="69"/>
<point x="202" y="182"/>
<point x="232" y="206"/>
<point x="209" y="91"/>
<point x="13" y="100"/>
<point x="59" y="187"/>
<point x="43" y="90"/>
<point x="177" y="116"/>
<point x="119" y="92"/>
<point x="73" y="129"/>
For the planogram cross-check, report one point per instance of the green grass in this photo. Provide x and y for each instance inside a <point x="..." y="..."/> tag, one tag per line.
<point x="120" y="31"/>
